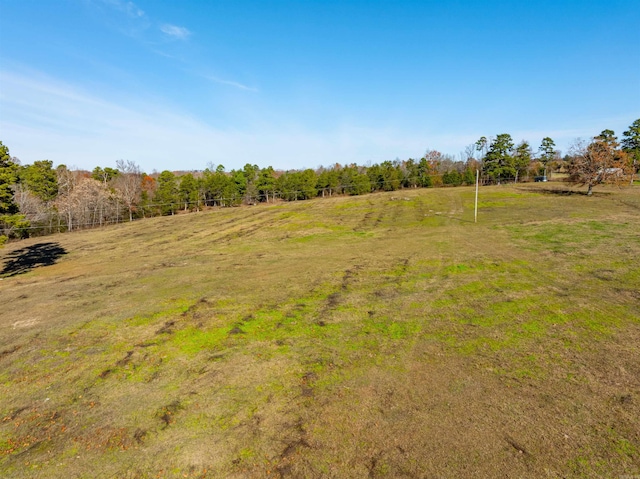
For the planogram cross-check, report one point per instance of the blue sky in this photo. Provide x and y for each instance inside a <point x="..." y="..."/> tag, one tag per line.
<point x="180" y="85"/>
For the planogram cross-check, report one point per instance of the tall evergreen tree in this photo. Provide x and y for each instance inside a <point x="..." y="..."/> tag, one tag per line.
<point x="216" y="186"/>
<point x="499" y="162"/>
<point x="631" y="144"/>
<point x="166" y="195"/>
<point x="522" y="159"/>
<point x="8" y="178"/>
<point x="188" y="191"/>
<point x="11" y="222"/>
<point x="40" y="179"/>
<point x="547" y="152"/>
<point x="266" y="184"/>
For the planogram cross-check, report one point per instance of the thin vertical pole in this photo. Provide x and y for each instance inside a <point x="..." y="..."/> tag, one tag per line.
<point x="475" y="219"/>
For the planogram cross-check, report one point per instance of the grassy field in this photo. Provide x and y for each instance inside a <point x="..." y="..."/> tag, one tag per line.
<point x="376" y="336"/>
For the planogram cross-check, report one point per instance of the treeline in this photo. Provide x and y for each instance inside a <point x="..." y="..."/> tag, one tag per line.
<point x="39" y="199"/>
<point x="603" y="159"/>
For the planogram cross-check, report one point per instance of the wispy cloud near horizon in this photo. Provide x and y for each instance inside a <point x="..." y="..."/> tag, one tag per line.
<point x="46" y="118"/>
<point x="180" y="33"/>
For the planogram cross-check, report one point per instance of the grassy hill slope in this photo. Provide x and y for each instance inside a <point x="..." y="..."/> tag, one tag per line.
<point x="377" y="336"/>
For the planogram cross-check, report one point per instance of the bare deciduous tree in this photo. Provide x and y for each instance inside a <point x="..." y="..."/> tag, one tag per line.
<point x="67" y="181"/>
<point x="469" y="153"/>
<point x="129" y="184"/>
<point x="597" y="162"/>
<point x="36" y="211"/>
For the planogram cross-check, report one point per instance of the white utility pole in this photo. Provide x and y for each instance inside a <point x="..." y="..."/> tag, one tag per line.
<point x="475" y="218"/>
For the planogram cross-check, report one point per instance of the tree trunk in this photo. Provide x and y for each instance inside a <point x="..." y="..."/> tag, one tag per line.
<point x="590" y="190"/>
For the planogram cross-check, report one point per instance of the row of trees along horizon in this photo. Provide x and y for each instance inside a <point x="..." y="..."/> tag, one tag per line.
<point x="38" y="199"/>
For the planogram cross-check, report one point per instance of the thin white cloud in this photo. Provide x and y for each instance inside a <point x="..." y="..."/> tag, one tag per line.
<point x="129" y="8"/>
<point x="45" y="118"/>
<point x="174" y="31"/>
<point x="122" y="16"/>
<point x="230" y="83"/>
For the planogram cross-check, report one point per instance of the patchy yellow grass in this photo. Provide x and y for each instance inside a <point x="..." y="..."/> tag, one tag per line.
<point x="377" y="336"/>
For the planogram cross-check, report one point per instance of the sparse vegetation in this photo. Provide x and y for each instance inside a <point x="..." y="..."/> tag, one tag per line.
<point x="366" y="336"/>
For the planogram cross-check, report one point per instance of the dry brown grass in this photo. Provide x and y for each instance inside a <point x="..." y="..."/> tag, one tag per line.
<point x="376" y="336"/>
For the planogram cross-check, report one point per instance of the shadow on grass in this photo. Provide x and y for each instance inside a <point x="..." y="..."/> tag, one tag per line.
<point x="25" y="259"/>
<point x="563" y="191"/>
<point x="461" y="220"/>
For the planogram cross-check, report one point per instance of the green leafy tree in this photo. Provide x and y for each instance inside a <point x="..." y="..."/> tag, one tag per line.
<point x="391" y="176"/>
<point x="547" y="152"/>
<point x="251" y="174"/>
<point x="266" y="184"/>
<point x="469" y="176"/>
<point x="237" y="188"/>
<point x="482" y="146"/>
<point x="11" y="222"/>
<point x="355" y="181"/>
<point x="424" y="173"/>
<point x="188" y="191"/>
<point x="631" y="144"/>
<point x="308" y="182"/>
<point x="5" y="157"/>
<point x="166" y="196"/>
<point x="433" y="165"/>
<point x="609" y="138"/>
<point x="375" y="174"/>
<point x="104" y="175"/>
<point x="327" y="182"/>
<point x="386" y="176"/>
<point x="286" y="187"/>
<point x="360" y="184"/>
<point x="452" y="178"/>
<point x="499" y="162"/>
<point x="522" y="158"/>
<point x="299" y="185"/>
<point x="40" y="179"/>
<point x="411" y="174"/>
<point x="8" y="178"/>
<point x="214" y="186"/>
